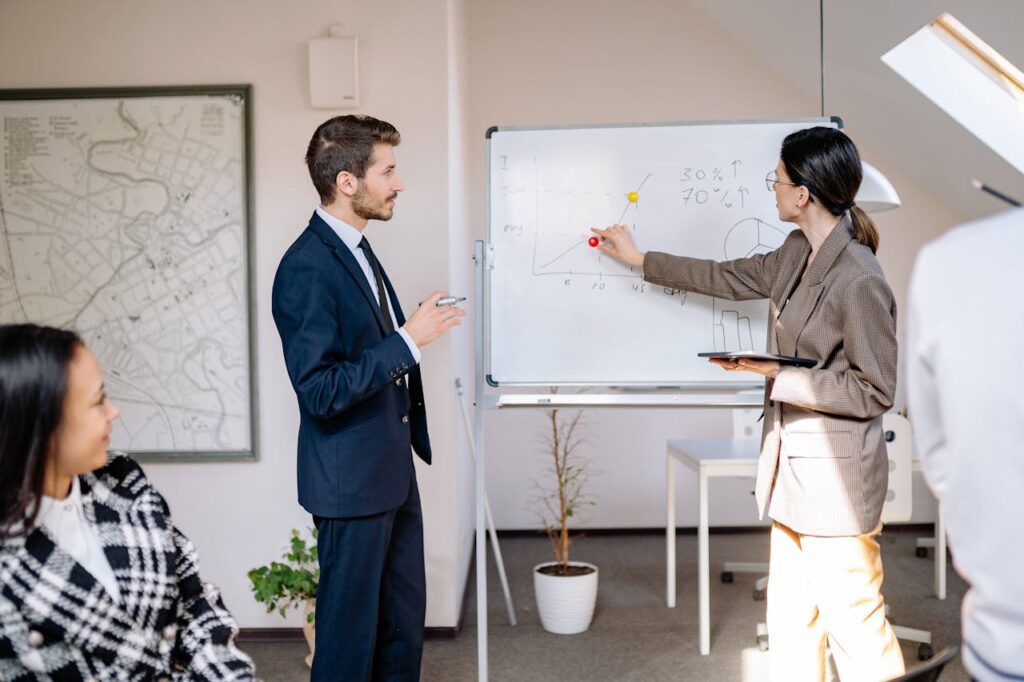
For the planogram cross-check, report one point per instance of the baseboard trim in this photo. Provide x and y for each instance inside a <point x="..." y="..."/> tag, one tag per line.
<point x="270" y="635"/>
<point x="692" y="530"/>
<point x="442" y="633"/>
<point x="295" y="634"/>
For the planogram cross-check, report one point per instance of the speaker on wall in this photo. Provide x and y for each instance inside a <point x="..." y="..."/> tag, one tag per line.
<point x="334" y="72"/>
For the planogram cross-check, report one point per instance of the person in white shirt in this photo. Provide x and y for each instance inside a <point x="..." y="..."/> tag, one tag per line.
<point x="95" y="580"/>
<point x="965" y="387"/>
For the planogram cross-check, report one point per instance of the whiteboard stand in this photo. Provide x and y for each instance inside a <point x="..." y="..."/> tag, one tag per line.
<point x="492" y="531"/>
<point x="483" y="402"/>
<point x="481" y="488"/>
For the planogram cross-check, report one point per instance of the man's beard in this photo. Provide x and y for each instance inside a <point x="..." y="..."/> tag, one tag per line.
<point x="364" y="207"/>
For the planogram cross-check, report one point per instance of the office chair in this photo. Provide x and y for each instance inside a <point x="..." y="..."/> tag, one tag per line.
<point x="898" y="507"/>
<point x="929" y="671"/>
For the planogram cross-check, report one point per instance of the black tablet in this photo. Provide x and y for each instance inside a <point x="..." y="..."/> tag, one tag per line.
<point x="735" y="356"/>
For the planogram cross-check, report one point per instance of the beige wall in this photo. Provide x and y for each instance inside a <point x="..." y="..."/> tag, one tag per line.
<point x="577" y="62"/>
<point x="460" y="250"/>
<point x="239" y="515"/>
<point x="442" y="71"/>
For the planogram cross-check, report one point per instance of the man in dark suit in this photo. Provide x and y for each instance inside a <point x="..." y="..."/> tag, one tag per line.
<point x="353" y="360"/>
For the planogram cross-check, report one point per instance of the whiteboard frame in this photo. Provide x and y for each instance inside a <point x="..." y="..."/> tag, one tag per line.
<point x="488" y="252"/>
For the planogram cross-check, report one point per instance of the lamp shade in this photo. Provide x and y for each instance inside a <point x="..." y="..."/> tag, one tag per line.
<point x="876" y="193"/>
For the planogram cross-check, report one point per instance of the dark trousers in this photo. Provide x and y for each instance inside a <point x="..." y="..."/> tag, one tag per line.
<point x="372" y="594"/>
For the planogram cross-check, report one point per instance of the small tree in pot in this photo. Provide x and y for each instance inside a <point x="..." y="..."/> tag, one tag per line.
<point x="291" y="584"/>
<point x="566" y="590"/>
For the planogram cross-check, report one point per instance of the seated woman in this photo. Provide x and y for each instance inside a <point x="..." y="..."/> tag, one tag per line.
<point x="95" y="580"/>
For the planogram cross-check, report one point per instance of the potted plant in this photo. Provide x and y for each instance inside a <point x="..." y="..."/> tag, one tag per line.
<point x="291" y="584"/>
<point x="566" y="590"/>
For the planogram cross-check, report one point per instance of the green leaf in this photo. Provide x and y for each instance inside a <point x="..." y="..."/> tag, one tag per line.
<point x="288" y="583"/>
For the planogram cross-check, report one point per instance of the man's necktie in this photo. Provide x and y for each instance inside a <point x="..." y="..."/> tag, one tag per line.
<point x="382" y="293"/>
<point x="382" y="299"/>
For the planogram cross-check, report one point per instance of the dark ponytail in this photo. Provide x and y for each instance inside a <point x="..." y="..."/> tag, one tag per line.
<point x="826" y="162"/>
<point x="33" y="383"/>
<point x="864" y="229"/>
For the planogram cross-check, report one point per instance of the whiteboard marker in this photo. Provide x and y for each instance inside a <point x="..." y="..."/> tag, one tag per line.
<point x="449" y="300"/>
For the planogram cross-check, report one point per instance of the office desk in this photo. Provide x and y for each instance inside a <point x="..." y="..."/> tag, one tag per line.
<point x="735" y="457"/>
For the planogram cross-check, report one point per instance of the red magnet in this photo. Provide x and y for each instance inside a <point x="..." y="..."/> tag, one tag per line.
<point x="593" y="241"/>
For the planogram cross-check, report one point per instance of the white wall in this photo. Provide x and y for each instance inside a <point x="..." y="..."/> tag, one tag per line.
<point x="576" y="62"/>
<point x="442" y="71"/>
<point x="460" y="247"/>
<point x="239" y="515"/>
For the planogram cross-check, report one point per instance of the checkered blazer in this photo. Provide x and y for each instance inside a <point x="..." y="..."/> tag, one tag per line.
<point x="823" y="468"/>
<point x="58" y="623"/>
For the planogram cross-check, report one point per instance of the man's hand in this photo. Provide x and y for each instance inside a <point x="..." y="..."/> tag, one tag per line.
<point x="430" y="321"/>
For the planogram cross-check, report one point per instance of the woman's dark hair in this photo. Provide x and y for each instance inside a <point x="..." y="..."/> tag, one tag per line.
<point x="826" y="162"/>
<point x="33" y="383"/>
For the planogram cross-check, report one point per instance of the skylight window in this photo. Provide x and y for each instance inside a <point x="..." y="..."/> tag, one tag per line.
<point x="967" y="79"/>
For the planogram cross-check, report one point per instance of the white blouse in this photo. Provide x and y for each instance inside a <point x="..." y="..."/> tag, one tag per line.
<point x="71" y="530"/>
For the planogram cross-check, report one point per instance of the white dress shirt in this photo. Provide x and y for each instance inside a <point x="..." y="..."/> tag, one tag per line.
<point x="351" y="236"/>
<point x="69" y="528"/>
<point x="965" y="383"/>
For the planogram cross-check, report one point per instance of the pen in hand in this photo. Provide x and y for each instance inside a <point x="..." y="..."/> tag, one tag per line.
<point x="449" y="300"/>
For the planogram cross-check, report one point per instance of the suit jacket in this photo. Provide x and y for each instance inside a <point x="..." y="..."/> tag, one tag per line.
<point x="356" y="421"/>
<point x="58" y="622"/>
<point x="823" y="468"/>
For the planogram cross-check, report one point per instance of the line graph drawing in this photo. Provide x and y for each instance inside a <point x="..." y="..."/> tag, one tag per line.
<point x="569" y="213"/>
<point x="562" y="205"/>
<point x="632" y="199"/>
<point x="561" y="255"/>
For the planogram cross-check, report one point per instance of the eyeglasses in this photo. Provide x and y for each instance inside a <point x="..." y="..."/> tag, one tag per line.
<point x="772" y="179"/>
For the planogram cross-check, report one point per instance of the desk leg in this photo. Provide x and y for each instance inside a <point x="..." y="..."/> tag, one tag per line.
<point x="670" y="531"/>
<point x="940" y="553"/>
<point x="703" y="569"/>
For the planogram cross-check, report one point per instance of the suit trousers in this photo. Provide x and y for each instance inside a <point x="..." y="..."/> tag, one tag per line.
<point x="828" y="590"/>
<point x="371" y="598"/>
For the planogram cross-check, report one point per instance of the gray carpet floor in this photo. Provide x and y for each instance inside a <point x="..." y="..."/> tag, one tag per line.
<point x="633" y="635"/>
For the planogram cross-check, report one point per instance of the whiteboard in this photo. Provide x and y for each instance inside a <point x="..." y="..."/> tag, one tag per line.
<point x="557" y="311"/>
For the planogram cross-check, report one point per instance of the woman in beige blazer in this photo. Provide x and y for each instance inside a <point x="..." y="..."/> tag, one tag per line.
<point x="823" y="470"/>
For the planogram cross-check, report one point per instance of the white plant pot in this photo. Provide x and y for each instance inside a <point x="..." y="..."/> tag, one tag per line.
<point x="565" y="603"/>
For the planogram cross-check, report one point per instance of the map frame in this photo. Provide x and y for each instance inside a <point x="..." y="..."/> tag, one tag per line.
<point x="243" y="93"/>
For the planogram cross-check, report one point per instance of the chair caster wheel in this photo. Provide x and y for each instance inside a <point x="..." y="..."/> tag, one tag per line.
<point x="759" y="595"/>
<point x="727" y="577"/>
<point x="921" y="552"/>
<point x="924" y="652"/>
<point x="762" y="642"/>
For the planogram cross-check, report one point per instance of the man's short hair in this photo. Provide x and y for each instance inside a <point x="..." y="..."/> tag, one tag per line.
<point x="345" y="143"/>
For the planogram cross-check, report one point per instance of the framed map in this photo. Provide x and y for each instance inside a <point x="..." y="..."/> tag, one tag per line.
<point x="126" y="215"/>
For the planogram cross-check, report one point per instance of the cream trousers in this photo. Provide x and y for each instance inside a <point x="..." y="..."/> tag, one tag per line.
<point x="828" y="589"/>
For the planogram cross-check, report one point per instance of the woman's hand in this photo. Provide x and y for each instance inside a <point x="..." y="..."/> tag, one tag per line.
<point x="617" y="242"/>
<point x="767" y="368"/>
